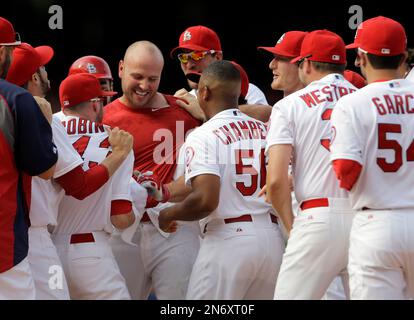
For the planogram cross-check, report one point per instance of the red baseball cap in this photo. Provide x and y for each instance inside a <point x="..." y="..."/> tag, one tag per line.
<point x="195" y="77"/>
<point x="383" y="37"/>
<point x="322" y="46"/>
<point x="26" y="61"/>
<point x="358" y="35"/>
<point x="8" y="37"/>
<point x="198" y="38"/>
<point x="288" y="45"/>
<point x="355" y="78"/>
<point x="80" y="87"/>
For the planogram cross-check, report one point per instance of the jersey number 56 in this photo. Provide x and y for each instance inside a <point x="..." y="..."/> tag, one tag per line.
<point x="242" y="156"/>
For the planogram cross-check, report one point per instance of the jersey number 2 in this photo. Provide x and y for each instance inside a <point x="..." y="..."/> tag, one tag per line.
<point x="389" y="144"/>
<point x="248" y="169"/>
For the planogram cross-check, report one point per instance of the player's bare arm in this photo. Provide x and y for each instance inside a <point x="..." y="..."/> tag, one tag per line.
<point x="121" y="143"/>
<point x="203" y="199"/>
<point x="257" y="111"/>
<point x="178" y="190"/>
<point x="190" y="104"/>
<point x="277" y="181"/>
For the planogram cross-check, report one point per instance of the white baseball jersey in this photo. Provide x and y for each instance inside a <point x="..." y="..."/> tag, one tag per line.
<point x="302" y="120"/>
<point x="254" y="95"/>
<point x="375" y="127"/>
<point x="230" y="145"/>
<point x="92" y="213"/>
<point x="46" y="194"/>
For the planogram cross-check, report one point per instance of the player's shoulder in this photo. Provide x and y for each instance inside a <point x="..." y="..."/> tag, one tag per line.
<point x="112" y="106"/>
<point x="293" y="98"/>
<point x="179" y="112"/>
<point x="254" y="89"/>
<point x="10" y="92"/>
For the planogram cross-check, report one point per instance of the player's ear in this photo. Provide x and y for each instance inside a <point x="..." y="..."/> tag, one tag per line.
<point x="35" y="77"/>
<point x="363" y="59"/>
<point x="404" y="58"/>
<point x="307" y="66"/>
<point x="205" y="93"/>
<point x="121" y="68"/>
<point x="219" y="55"/>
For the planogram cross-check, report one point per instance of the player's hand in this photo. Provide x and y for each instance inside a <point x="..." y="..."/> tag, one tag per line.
<point x="165" y="222"/>
<point x="120" y="140"/>
<point x="190" y="104"/>
<point x="263" y="193"/>
<point x="156" y="190"/>
<point x="45" y="107"/>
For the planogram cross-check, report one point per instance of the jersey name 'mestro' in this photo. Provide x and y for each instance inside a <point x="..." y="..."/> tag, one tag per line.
<point x="302" y="120"/>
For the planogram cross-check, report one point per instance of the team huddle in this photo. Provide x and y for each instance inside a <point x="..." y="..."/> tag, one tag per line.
<point x="210" y="193"/>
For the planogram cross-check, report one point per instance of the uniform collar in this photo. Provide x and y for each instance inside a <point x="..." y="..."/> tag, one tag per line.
<point x="226" y="113"/>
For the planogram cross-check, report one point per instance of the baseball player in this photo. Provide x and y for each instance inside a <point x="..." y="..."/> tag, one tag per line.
<point x="317" y="248"/>
<point x="26" y="149"/>
<point x="83" y="229"/>
<point x="98" y="67"/>
<point x="198" y="47"/>
<point x="242" y="247"/>
<point x="286" y="78"/>
<point x="28" y="70"/>
<point x="159" y="127"/>
<point x="372" y="147"/>
<point x="285" y="74"/>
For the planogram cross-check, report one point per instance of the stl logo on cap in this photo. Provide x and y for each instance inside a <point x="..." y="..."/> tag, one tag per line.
<point x="281" y="38"/>
<point x="91" y="68"/>
<point x="187" y="36"/>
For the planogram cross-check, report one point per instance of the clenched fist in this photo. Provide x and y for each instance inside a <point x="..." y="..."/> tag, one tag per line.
<point x="120" y="140"/>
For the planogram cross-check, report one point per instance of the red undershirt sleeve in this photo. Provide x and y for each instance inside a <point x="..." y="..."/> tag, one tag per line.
<point x="347" y="172"/>
<point x="80" y="184"/>
<point x="120" y="207"/>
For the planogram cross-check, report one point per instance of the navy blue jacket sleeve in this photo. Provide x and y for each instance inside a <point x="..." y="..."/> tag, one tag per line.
<point x="35" y="150"/>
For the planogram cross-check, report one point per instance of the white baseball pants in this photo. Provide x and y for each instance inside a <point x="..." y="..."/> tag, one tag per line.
<point x="163" y="264"/>
<point x="238" y="260"/>
<point x="49" y="278"/>
<point x="381" y="255"/>
<point x="17" y="283"/>
<point x="317" y="250"/>
<point x="90" y="267"/>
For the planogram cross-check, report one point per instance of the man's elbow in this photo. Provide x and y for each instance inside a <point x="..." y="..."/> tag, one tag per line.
<point x="209" y="205"/>
<point x="48" y="174"/>
<point x="123" y="221"/>
<point x="276" y="184"/>
<point x="259" y="112"/>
